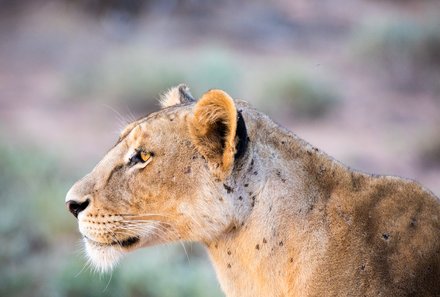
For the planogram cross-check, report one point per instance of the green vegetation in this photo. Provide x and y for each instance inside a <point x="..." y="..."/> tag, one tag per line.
<point x="298" y="94"/>
<point x="32" y="189"/>
<point x="139" y="77"/>
<point x="406" y="51"/>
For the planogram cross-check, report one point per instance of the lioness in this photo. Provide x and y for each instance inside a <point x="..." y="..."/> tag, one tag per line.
<point x="277" y="216"/>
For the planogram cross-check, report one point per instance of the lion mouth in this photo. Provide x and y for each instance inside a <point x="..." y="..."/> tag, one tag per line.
<point x="126" y="243"/>
<point x="129" y="242"/>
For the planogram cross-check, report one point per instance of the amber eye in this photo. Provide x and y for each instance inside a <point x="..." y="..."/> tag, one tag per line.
<point x="140" y="156"/>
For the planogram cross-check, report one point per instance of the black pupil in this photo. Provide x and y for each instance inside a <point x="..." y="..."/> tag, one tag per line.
<point x="136" y="158"/>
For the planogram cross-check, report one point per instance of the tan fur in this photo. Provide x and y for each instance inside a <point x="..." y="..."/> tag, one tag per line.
<point x="284" y="220"/>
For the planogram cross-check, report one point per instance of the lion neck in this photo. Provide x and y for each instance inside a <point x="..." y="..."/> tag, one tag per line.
<point x="277" y="193"/>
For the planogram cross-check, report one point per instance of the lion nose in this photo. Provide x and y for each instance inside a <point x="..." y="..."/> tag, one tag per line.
<point x="76" y="207"/>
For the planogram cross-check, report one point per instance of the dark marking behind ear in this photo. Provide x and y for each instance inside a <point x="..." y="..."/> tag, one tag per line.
<point x="242" y="137"/>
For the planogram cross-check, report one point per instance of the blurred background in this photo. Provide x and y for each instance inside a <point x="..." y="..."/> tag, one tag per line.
<point x="360" y="79"/>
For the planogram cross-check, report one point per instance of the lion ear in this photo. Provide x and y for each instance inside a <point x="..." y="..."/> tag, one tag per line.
<point x="176" y="95"/>
<point x="213" y="127"/>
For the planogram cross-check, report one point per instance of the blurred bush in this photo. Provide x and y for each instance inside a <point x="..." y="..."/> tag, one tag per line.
<point x="406" y="51"/>
<point x="128" y="77"/>
<point x="298" y="94"/>
<point x="137" y="77"/>
<point x="32" y="186"/>
<point x="215" y="68"/>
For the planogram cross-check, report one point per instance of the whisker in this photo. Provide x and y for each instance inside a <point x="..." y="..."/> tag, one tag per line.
<point x="84" y="267"/>
<point x="108" y="283"/>
<point x="113" y="235"/>
<point x="179" y="240"/>
<point x="143" y="224"/>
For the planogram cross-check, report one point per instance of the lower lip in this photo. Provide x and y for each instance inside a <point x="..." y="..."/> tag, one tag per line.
<point x="128" y="242"/>
<point x="124" y="243"/>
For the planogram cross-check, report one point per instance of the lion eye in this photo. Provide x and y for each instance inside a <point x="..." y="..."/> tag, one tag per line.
<point x="145" y="156"/>
<point x="139" y="156"/>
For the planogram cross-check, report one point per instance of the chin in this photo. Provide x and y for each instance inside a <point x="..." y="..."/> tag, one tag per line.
<point x="104" y="257"/>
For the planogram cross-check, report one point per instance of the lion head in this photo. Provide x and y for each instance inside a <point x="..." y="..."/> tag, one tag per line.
<point x="164" y="179"/>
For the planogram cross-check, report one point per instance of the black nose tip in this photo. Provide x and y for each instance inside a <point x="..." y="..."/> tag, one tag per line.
<point x="76" y="207"/>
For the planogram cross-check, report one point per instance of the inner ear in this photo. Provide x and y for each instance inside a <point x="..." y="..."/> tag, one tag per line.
<point x="217" y="135"/>
<point x="213" y="128"/>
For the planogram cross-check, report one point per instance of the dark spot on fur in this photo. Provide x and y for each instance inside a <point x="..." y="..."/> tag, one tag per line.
<point x="240" y="198"/>
<point x="278" y="173"/>
<point x="309" y="153"/>
<point x="315" y="149"/>
<point x="255" y="172"/>
<point x="264" y="240"/>
<point x="216" y="246"/>
<point x="363" y="267"/>
<point x="283" y="180"/>
<point x="220" y="198"/>
<point x="187" y="170"/>
<point x="413" y="222"/>
<point x="229" y="252"/>
<point x="194" y="157"/>
<point x="229" y="265"/>
<point x="246" y="185"/>
<point x="228" y="188"/>
<point x="291" y="260"/>
<point x="385" y="236"/>
<point x="270" y="208"/>
<point x="252" y="162"/>
<point x="283" y="142"/>
<point x="253" y="201"/>
<point x="257" y="247"/>
<point x="281" y="243"/>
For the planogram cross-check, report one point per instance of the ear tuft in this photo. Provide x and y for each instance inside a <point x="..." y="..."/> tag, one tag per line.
<point x="175" y="96"/>
<point x="213" y="128"/>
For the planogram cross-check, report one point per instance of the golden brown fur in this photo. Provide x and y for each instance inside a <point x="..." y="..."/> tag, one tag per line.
<point x="284" y="219"/>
